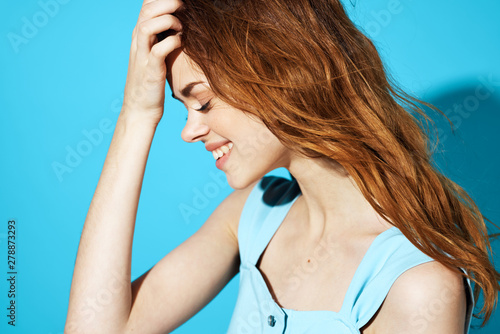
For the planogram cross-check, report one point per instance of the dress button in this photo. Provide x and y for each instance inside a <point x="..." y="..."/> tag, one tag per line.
<point x="271" y="321"/>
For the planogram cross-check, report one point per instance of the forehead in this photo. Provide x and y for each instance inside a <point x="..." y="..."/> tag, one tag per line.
<point x="181" y="71"/>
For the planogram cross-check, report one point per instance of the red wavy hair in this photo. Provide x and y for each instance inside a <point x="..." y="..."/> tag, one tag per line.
<point x="318" y="83"/>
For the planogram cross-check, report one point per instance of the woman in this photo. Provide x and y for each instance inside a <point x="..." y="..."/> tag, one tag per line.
<point x="366" y="237"/>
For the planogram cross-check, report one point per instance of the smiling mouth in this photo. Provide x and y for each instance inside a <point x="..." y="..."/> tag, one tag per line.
<point x="221" y="151"/>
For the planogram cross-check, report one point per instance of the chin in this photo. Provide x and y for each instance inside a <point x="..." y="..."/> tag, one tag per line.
<point x="241" y="182"/>
<point x="237" y="184"/>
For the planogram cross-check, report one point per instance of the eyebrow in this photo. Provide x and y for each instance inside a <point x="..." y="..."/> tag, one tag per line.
<point x="186" y="91"/>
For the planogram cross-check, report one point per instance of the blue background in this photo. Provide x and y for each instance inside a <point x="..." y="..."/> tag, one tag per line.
<point x="67" y="77"/>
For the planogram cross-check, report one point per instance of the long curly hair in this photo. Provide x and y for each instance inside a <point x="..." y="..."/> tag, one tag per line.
<point x="318" y="83"/>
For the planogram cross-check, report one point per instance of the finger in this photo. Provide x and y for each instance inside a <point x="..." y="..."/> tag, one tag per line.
<point x="156" y="8"/>
<point x="151" y="9"/>
<point x="161" y="50"/>
<point x="148" y="30"/>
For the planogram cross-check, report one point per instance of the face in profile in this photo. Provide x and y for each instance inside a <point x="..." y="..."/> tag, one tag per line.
<point x="240" y="144"/>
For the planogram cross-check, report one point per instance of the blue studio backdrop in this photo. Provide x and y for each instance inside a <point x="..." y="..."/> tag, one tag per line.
<point x="63" y="66"/>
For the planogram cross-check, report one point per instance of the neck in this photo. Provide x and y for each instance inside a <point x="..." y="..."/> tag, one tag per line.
<point x="331" y="201"/>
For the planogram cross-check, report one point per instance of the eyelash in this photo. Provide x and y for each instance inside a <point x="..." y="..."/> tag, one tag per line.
<point x="204" y="107"/>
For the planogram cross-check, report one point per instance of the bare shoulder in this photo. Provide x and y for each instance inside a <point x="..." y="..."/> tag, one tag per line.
<point x="428" y="298"/>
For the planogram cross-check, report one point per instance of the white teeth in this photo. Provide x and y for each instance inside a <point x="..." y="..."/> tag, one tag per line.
<point x="218" y="153"/>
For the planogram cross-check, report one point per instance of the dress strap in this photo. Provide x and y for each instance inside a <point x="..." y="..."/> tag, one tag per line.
<point x="389" y="256"/>
<point x="266" y="207"/>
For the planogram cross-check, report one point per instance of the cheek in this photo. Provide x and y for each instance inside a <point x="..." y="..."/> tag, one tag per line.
<point x="265" y="141"/>
<point x="259" y="154"/>
<point x="220" y="121"/>
<point x="255" y="143"/>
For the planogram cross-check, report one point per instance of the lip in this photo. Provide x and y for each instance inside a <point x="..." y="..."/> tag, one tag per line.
<point x="213" y="146"/>
<point x="219" y="163"/>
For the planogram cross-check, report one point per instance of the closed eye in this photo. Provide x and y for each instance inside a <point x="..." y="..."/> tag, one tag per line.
<point x="204" y="107"/>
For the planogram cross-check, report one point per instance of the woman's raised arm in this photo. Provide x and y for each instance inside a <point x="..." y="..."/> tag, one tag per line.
<point x="102" y="298"/>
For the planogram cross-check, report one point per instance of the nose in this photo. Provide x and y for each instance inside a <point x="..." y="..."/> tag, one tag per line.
<point x="195" y="128"/>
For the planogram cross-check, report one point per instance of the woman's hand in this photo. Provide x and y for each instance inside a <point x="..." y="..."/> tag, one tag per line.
<point x="145" y="87"/>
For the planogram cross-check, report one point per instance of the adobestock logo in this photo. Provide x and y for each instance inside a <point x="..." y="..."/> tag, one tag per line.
<point x="203" y="196"/>
<point x="382" y="18"/>
<point x="74" y="156"/>
<point x="96" y="303"/>
<point x="486" y="88"/>
<point x="31" y="26"/>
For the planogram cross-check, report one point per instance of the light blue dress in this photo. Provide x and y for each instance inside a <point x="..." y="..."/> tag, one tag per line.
<point x="387" y="258"/>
